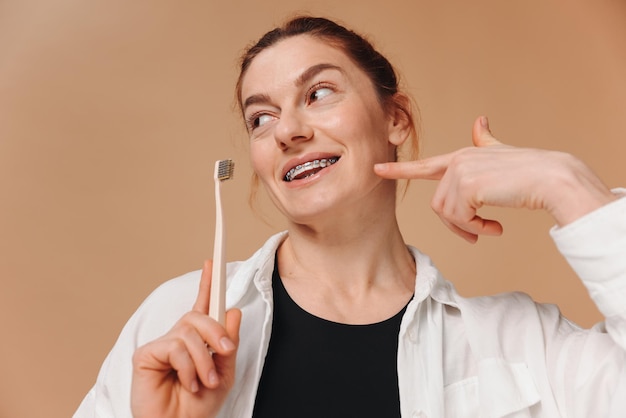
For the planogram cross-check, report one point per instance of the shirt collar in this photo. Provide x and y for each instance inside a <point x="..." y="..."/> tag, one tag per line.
<point x="428" y="280"/>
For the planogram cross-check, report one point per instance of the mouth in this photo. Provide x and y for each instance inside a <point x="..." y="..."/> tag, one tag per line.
<point x="309" y="168"/>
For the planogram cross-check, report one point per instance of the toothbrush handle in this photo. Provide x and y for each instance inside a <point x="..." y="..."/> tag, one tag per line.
<point x="217" y="307"/>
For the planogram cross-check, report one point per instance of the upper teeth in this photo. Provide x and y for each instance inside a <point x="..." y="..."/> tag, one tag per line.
<point x="309" y="165"/>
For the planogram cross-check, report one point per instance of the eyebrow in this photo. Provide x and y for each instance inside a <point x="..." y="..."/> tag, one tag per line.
<point x="302" y="79"/>
<point x="255" y="99"/>
<point x="314" y="70"/>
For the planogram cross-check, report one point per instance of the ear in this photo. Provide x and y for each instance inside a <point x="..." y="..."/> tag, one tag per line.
<point x="400" y="119"/>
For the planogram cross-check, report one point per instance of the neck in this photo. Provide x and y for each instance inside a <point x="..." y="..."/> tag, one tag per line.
<point x="353" y="252"/>
<point x="355" y="276"/>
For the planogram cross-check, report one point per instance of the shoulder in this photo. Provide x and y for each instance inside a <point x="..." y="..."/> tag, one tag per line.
<point x="511" y="308"/>
<point x="513" y="325"/>
<point x="164" y="306"/>
<point x="172" y="299"/>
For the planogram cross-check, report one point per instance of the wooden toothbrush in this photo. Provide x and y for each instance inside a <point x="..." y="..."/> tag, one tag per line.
<point x="217" y="308"/>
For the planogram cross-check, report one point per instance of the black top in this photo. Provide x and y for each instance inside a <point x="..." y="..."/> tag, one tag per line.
<point x="318" y="368"/>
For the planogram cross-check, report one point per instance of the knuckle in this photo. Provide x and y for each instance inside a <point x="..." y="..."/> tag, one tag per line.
<point x="462" y="158"/>
<point x="185" y="328"/>
<point x="436" y="205"/>
<point x="468" y="183"/>
<point x="450" y="216"/>
<point x="188" y="317"/>
<point x="138" y="355"/>
<point x="186" y="324"/>
<point x="144" y="353"/>
<point x="177" y="344"/>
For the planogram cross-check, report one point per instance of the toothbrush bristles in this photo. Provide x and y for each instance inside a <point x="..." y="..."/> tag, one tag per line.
<point x="225" y="169"/>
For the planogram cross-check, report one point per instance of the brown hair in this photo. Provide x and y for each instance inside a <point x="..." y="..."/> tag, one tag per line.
<point x="378" y="69"/>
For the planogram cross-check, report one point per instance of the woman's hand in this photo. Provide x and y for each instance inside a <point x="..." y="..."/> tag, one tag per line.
<point x="494" y="174"/>
<point x="188" y="371"/>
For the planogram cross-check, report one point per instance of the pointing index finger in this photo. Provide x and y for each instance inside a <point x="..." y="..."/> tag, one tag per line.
<point x="432" y="168"/>
<point x="204" y="291"/>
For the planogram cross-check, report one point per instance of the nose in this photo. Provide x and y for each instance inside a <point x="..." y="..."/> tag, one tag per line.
<point x="292" y="128"/>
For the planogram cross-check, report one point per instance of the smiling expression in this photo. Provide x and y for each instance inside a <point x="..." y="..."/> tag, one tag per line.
<point x="316" y="129"/>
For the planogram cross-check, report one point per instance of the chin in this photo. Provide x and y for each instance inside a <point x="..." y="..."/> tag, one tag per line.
<point x="307" y="214"/>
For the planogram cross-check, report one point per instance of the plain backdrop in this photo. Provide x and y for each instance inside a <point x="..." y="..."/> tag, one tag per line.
<point x="113" y="112"/>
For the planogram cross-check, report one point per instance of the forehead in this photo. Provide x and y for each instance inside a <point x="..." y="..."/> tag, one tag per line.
<point x="282" y="63"/>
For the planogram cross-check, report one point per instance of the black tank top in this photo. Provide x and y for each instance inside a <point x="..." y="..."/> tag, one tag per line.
<point x="317" y="368"/>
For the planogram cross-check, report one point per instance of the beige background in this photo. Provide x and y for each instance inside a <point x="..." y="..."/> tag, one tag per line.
<point x="112" y="113"/>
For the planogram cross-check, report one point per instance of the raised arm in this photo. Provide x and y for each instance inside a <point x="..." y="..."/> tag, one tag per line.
<point x="494" y="174"/>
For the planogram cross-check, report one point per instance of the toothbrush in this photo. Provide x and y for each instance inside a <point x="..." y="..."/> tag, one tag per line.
<point x="217" y="308"/>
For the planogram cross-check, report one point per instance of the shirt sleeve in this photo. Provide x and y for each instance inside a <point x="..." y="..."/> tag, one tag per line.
<point x="110" y="396"/>
<point x="594" y="363"/>
<point x="595" y="247"/>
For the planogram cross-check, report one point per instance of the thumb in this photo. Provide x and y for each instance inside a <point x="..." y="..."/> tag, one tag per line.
<point x="481" y="134"/>
<point x="233" y="323"/>
<point x="225" y="364"/>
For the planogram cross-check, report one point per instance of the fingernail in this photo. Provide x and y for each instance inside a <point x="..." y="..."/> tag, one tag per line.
<point x="227" y="344"/>
<point x="213" y="379"/>
<point x="484" y="122"/>
<point x="380" y="166"/>
<point x="194" y="386"/>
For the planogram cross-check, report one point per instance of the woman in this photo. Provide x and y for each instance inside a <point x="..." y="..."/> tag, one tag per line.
<point x="337" y="316"/>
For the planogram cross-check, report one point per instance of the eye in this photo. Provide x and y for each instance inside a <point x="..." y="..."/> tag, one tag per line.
<point x="257" y="120"/>
<point x="317" y="92"/>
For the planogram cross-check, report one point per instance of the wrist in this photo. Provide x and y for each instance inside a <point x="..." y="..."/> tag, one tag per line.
<point x="575" y="192"/>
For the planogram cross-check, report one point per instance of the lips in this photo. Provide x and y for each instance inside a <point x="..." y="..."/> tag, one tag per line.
<point x="309" y="168"/>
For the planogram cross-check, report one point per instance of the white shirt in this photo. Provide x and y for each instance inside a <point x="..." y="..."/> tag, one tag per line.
<point x="492" y="356"/>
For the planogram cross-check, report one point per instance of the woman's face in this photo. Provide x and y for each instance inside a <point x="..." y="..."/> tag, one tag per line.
<point x="316" y="129"/>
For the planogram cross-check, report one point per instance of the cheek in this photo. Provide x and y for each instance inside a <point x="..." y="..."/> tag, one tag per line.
<point x="358" y="122"/>
<point x="261" y="161"/>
